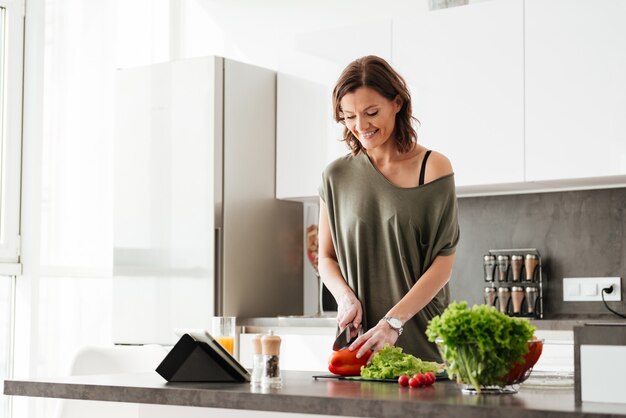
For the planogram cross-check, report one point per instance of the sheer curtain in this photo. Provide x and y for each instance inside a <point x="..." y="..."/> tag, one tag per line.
<point x="67" y="280"/>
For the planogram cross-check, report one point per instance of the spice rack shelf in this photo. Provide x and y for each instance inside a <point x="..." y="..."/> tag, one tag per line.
<point x="515" y="281"/>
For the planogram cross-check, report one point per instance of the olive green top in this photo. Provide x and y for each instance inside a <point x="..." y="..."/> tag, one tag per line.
<point x="386" y="237"/>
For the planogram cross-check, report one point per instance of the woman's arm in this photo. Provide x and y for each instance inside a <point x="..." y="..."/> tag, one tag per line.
<point x="422" y="292"/>
<point x="349" y="309"/>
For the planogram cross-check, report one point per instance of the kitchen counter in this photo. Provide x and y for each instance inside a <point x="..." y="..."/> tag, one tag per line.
<point x="289" y="321"/>
<point x="303" y="394"/>
<point x="329" y="321"/>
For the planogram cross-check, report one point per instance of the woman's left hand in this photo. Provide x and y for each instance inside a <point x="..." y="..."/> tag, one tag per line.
<point x="375" y="339"/>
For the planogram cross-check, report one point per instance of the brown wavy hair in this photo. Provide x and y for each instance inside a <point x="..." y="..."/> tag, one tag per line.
<point x="374" y="72"/>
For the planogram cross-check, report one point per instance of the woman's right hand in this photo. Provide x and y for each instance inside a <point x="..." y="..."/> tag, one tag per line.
<point x="349" y="311"/>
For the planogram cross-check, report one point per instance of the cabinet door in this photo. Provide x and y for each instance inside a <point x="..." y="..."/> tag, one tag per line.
<point x="575" y="89"/>
<point x="303" y="117"/>
<point x="464" y="66"/>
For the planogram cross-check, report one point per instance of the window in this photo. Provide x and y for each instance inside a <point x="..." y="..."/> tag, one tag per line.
<point x="11" y="50"/>
<point x="11" y="75"/>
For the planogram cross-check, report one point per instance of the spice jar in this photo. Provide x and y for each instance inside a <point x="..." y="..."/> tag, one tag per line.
<point x="257" y="361"/>
<point x="517" y="296"/>
<point x="516" y="266"/>
<point x="270" y="347"/>
<point x="530" y="264"/>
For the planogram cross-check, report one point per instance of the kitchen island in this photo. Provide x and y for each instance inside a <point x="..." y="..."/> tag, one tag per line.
<point x="303" y="394"/>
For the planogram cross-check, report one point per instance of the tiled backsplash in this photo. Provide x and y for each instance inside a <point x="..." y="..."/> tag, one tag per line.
<point x="578" y="233"/>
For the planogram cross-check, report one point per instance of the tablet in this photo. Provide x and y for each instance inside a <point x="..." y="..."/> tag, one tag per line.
<point x="203" y="336"/>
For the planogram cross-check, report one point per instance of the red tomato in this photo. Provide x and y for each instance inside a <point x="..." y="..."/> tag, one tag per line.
<point x="422" y="379"/>
<point x="403" y="380"/>
<point x="431" y="376"/>
<point x="345" y="363"/>
<point x="414" y="383"/>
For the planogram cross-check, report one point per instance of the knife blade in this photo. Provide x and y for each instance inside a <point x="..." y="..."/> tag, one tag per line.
<point x="343" y="339"/>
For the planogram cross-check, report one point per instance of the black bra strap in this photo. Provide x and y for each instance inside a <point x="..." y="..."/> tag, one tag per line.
<point x="423" y="170"/>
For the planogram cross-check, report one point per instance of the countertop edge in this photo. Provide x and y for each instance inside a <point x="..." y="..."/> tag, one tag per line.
<point x="231" y="396"/>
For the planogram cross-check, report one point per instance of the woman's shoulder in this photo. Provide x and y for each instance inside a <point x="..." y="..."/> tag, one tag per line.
<point x="437" y="166"/>
<point x="339" y="164"/>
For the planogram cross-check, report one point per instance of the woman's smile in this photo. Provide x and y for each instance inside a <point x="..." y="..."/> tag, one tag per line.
<point x="368" y="135"/>
<point x="369" y="116"/>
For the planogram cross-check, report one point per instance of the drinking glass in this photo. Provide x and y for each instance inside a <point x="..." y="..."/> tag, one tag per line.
<point x="223" y="330"/>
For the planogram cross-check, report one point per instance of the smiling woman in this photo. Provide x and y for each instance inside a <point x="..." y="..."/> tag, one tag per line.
<point x="388" y="218"/>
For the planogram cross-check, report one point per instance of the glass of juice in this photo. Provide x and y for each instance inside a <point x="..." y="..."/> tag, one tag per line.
<point x="223" y="330"/>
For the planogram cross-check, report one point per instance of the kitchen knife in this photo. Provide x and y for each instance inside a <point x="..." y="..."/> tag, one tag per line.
<point x="343" y="339"/>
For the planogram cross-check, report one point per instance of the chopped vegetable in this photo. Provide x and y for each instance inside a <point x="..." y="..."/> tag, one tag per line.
<point x="479" y="345"/>
<point x="391" y="363"/>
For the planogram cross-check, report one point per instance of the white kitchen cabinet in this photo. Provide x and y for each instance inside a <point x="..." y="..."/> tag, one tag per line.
<point x="304" y="117"/>
<point x="575" y="71"/>
<point x="307" y="136"/>
<point x="464" y="66"/>
<point x="302" y="348"/>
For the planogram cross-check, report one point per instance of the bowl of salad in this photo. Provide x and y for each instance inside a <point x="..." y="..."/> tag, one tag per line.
<point x="484" y="350"/>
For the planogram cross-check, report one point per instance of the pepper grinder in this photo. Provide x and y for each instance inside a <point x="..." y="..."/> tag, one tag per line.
<point x="489" y="263"/>
<point x="257" y="361"/>
<point x="516" y="267"/>
<point x="504" y="294"/>
<point x="503" y="267"/>
<point x="530" y="264"/>
<point x="270" y="347"/>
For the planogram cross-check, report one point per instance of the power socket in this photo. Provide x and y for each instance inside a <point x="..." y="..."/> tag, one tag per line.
<point x="589" y="289"/>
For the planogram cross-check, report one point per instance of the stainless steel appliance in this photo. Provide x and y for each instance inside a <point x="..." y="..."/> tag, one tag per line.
<point x="197" y="229"/>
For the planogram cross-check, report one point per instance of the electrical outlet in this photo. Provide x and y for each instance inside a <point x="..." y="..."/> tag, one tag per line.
<point x="589" y="289"/>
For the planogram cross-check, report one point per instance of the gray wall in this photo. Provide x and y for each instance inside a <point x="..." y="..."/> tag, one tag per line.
<point x="579" y="234"/>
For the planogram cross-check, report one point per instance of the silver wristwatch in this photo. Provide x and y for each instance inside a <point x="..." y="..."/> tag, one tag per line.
<point x="394" y="323"/>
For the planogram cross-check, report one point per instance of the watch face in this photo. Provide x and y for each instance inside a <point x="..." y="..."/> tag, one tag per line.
<point x="395" y="323"/>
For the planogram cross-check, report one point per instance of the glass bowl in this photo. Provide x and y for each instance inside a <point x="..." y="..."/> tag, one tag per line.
<point x="470" y="367"/>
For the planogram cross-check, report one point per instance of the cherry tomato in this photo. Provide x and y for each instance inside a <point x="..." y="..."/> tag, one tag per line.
<point x="414" y="383"/>
<point x="431" y="376"/>
<point x="422" y="379"/>
<point x="403" y="380"/>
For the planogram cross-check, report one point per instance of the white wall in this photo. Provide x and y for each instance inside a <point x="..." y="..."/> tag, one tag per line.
<point x="73" y="48"/>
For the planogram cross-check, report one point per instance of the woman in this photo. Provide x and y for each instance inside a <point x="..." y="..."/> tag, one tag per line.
<point x="388" y="216"/>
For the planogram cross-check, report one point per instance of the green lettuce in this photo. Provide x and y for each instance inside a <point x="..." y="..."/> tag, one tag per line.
<point x="391" y="362"/>
<point x="479" y="344"/>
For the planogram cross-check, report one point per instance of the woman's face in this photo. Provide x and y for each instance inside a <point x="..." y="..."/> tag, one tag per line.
<point x="369" y="116"/>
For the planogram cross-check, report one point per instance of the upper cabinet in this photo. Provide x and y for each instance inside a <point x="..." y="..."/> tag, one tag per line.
<point x="307" y="136"/>
<point x="575" y="89"/>
<point x="303" y="145"/>
<point x="464" y="66"/>
<point x="521" y="95"/>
